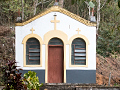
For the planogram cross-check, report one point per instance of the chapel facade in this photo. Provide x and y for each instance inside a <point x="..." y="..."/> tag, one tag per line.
<point x="58" y="45"/>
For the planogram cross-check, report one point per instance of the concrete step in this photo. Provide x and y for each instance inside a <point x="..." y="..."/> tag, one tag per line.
<point x="61" y="86"/>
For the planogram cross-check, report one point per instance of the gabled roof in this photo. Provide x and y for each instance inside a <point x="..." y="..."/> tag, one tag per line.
<point x="61" y="10"/>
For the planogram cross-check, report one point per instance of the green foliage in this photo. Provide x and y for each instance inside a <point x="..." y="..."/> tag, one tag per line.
<point x="78" y="7"/>
<point x="119" y="3"/>
<point x="75" y="1"/>
<point x="11" y="9"/>
<point x="31" y="80"/>
<point x="108" y="1"/>
<point x="72" y="2"/>
<point x="117" y="85"/>
<point x="17" y="5"/>
<point x="108" y="42"/>
<point x="11" y="76"/>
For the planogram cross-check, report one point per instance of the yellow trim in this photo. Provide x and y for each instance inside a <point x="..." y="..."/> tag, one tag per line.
<point x="24" y="49"/>
<point x="55" y="34"/>
<point x="64" y="62"/>
<point x="87" y="43"/>
<point x="61" y="10"/>
<point x="78" y="30"/>
<point x="46" y="64"/>
<point x="32" y="30"/>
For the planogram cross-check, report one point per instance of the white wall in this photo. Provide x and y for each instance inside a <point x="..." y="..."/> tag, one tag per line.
<point x="68" y="25"/>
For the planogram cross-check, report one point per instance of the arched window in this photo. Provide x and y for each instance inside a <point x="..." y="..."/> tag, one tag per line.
<point x="32" y="52"/>
<point x="55" y="41"/>
<point x="78" y="52"/>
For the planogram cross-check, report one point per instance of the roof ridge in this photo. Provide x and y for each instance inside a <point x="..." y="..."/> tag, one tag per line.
<point x="61" y="10"/>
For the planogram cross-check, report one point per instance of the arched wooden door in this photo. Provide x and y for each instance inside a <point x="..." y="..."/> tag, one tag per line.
<point x="55" y="61"/>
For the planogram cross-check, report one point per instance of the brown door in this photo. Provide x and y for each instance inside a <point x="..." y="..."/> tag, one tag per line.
<point x="55" y="64"/>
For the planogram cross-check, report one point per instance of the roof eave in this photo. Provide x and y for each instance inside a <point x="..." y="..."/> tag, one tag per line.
<point x="61" y="10"/>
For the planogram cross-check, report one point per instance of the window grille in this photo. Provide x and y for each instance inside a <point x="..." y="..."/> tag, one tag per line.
<point x="78" y="54"/>
<point x="55" y="41"/>
<point x="32" y="52"/>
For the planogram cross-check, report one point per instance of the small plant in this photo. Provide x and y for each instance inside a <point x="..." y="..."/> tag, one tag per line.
<point x="11" y="76"/>
<point x="32" y="80"/>
<point x="117" y="85"/>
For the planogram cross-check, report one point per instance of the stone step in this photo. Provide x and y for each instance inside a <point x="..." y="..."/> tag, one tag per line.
<point x="76" y="87"/>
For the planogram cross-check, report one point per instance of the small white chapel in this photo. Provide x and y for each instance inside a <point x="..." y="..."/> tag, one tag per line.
<point x="58" y="45"/>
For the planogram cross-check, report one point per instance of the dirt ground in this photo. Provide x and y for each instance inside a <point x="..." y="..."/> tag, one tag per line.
<point x="104" y="67"/>
<point x="7" y="42"/>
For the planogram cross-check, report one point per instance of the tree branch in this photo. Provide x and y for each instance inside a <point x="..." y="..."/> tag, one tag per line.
<point x="87" y="4"/>
<point x="43" y="2"/>
<point x="103" y="4"/>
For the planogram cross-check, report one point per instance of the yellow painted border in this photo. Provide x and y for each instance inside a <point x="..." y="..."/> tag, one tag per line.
<point x="61" y="10"/>
<point x="87" y="43"/>
<point x="55" y="34"/>
<point x="24" y="49"/>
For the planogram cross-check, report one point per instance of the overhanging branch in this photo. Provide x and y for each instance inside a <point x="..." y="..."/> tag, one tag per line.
<point x="43" y="2"/>
<point x="103" y="4"/>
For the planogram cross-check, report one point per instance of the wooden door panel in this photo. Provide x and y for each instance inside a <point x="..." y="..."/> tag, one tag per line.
<point x="55" y="64"/>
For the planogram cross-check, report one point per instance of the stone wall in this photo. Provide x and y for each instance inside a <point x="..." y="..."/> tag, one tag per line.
<point x="77" y="87"/>
<point x="74" y="87"/>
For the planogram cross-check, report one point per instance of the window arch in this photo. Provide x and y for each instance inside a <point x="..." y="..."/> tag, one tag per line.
<point x="86" y="41"/>
<point x="32" y="52"/>
<point x="78" y="52"/>
<point x="24" y="42"/>
<point x="55" y="41"/>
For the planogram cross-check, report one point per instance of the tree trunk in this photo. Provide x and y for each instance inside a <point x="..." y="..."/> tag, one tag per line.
<point x="42" y="5"/>
<point x="98" y="15"/>
<point x="35" y="6"/>
<point x="61" y="2"/>
<point x="22" y="10"/>
<point x="77" y="7"/>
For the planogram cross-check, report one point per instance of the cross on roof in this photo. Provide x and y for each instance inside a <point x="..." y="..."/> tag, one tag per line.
<point x="32" y="30"/>
<point x="55" y="22"/>
<point x="78" y="30"/>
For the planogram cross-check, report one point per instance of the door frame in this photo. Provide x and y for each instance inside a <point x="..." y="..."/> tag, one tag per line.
<point x="62" y="60"/>
<point x="46" y="63"/>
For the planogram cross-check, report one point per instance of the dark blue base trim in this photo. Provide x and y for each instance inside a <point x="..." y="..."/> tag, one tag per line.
<point x="81" y="76"/>
<point x="39" y="73"/>
<point x="72" y="76"/>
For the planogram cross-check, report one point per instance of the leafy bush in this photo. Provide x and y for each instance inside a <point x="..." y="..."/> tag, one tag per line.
<point x="117" y="85"/>
<point x="11" y="76"/>
<point x="32" y="81"/>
